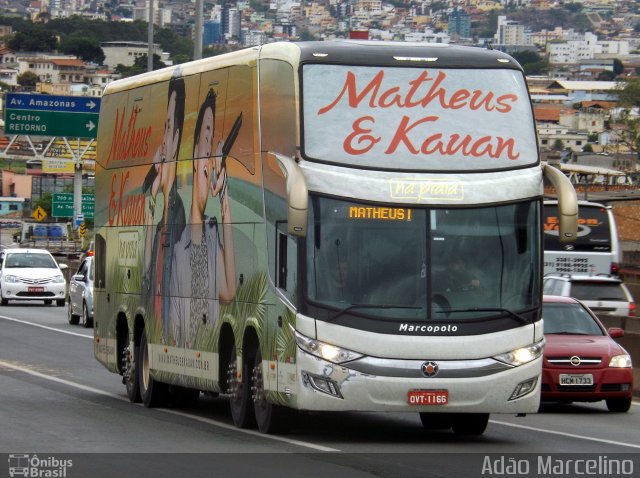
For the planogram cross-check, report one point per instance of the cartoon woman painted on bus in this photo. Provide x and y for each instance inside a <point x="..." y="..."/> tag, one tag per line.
<point x="204" y="262"/>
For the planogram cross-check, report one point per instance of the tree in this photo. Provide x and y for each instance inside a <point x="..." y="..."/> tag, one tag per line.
<point x="33" y="39"/>
<point x="87" y="49"/>
<point x="587" y="148"/>
<point x="139" y="66"/>
<point x="626" y="122"/>
<point x="618" y="67"/>
<point x="531" y="62"/>
<point x="606" y="75"/>
<point x="28" y="79"/>
<point x="45" y="202"/>
<point x="558" y="145"/>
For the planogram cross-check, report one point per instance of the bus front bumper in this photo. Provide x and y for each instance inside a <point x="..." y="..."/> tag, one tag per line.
<point x="470" y="386"/>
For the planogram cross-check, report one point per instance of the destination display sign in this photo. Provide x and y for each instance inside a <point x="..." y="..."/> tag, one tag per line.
<point x="418" y="119"/>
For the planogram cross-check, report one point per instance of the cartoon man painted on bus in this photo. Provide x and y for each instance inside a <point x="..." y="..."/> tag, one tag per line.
<point x="162" y="177"/>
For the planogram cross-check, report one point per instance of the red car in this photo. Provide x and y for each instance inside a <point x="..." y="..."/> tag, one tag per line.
<point x="582" y="362"/>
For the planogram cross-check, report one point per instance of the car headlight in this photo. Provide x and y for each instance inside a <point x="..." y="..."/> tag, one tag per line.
<point x="57" y="280"/>
<point x="522" y="355"/>
<point x="328" y="352"/>
<point x="11" y="279"/>
<point x="620" y="361"/>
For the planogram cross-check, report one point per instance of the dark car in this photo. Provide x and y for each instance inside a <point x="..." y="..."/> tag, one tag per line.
<point x="582" y="362"/>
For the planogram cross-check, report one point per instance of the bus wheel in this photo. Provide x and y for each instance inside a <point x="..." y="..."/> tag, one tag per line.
<point x="436" y="421"/>
<point x="470" y="423"/>
<point x="269" y="417"/>
<point x="152" y="392"/>
<point x="239" y="393"/>
<point x="130" y="374"/>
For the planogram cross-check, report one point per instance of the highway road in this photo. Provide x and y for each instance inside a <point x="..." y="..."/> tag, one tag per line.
<point x="58" y="403"/>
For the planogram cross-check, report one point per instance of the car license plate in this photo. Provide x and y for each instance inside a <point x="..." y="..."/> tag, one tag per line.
<point x="428" y="397"/>
<point x="36" y="289"/>
<point x="576" y="379"/>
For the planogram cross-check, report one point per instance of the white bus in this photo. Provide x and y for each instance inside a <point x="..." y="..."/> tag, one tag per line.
<point x="334" y="226"/>
<point x="596" y="249"/>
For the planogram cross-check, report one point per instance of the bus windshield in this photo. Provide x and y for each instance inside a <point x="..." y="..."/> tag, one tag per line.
<point x="422" y="264"/>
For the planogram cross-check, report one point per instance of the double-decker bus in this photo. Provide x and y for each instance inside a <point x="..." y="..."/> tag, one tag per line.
<point x="596" y="249"/>
<point x="334" y="226"/>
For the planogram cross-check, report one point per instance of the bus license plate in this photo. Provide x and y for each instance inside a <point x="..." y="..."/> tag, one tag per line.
<point x="576" y="379"/>
<point x="35" y="289"/>
<point x="428" y="397"/>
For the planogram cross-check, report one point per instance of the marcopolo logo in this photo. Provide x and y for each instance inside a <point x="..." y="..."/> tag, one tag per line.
<point x="443" y="329"/>
<point x="38" y="467"/>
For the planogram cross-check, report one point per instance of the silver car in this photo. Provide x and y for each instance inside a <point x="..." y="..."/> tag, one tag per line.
<point x="81" y="294"/>
<point x="605" y="295"/>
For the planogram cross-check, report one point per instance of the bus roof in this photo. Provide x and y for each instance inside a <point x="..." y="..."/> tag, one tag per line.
<point x="387" y="53"/>
<point x="348" y="52"/>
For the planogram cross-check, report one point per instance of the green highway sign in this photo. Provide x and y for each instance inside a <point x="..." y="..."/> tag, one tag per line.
<point x="62" y="205"/>
<point x="51" y="115"/>
<point x="51" y="123"/>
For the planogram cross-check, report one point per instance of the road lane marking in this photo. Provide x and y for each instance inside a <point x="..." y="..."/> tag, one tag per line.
<point x="564" y="434"/>
<point x="26" y="322"/>
<point x="208" y="421"/>
<point x="252" y="432"/>
<point x="60" y="380"/>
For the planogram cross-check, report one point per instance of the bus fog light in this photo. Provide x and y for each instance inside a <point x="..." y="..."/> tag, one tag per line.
<point x="524" y="388"/>
<point x="322" y="384"/>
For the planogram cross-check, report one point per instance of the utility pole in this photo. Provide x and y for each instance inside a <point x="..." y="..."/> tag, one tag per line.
<point x="150" y="38"/>
<point x="197" y="41"/>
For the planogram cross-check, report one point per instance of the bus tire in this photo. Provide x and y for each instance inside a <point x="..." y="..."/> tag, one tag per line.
<point x="130" y="377"/>
<point x="436" y="421"/>
<point x="239" y="391"/>
<point x="152" y="392"/>
<point x="270" y="418"/>
<point x="470" y="424"/>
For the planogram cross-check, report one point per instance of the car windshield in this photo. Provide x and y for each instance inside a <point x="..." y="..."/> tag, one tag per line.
<point x="385" y="262"/>
<point x="26" y="260"/>
<point x="568" y="319"/>
<point x="597" y="291"/>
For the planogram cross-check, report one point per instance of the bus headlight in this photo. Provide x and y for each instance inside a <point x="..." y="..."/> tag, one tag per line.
<point x="522" y="355"/>
<point x="620" y="361"/>
<point x="328" y="352"/>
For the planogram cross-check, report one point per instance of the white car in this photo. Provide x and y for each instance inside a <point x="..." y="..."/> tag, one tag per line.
<point x="31" y="274"/>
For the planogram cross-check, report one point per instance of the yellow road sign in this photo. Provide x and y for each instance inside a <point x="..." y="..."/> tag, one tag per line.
<point x="82" y="229"/>
<point x="38" y="214"/>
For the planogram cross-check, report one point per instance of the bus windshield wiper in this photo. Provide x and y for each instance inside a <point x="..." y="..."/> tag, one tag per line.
<point x="510" y="313"/>
<point x="375" y="306"/>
